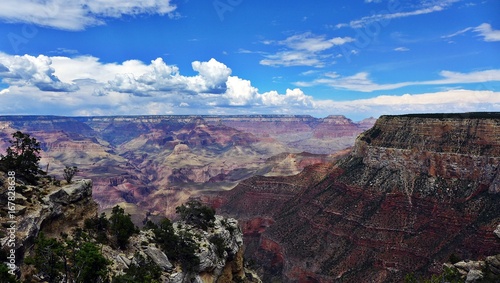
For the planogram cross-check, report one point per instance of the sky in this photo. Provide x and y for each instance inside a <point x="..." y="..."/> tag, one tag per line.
<point x="358" y="58"/>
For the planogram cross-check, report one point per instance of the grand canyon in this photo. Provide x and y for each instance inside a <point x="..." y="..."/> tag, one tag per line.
<point x="154" y="163"/>
<point x="317" y="199"/>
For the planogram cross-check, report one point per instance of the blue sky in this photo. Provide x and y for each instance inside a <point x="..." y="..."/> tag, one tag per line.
<point x="356" y="58"/>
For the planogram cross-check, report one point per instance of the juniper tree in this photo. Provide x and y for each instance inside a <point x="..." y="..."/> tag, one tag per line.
<point x="22" y="157"/>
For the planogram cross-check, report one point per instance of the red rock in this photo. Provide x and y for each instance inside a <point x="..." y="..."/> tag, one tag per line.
<point x="415" y="190"/>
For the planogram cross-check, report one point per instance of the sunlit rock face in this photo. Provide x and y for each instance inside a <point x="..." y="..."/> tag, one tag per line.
<point x="415" y="190"/>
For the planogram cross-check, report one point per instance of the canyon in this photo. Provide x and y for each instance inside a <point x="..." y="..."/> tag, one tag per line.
<point x="414" y="191"/>
<point x="317" y="199"/>
<point x="152" y="164"/>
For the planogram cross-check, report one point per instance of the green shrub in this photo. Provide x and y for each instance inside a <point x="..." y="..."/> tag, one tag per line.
<point x="181" y="247"/>
<point x="76" y="260"/>
<point x="69" y="173"/>
<point x="219" y="245"/>
<point x="143" y="271"/>
<point x="5" y="276"/>
<point x="197" y="214"/>
<point x="98" y="227"/>
<point x="121" y="226"/>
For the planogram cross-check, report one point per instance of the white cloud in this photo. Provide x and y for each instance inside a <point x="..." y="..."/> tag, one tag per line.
<point x="401" y="49"/>
<point x="426" y="8"/>
<point x="133" y="87"/>
<point x="457" y="33"/>
<point x="89" y="67"/>
<point x="452" y="101"/>
<point x="313" y="43"/>
<point x="362" y="82"/>
<point x="293" y="58"/>
<point x="128" y="87"/>
<point x="30" y="70"/>
<point x="487" y="32"/>
<point x="77" y="14"/>
<point x="240" y="92"/>
<point x="292" y="98"/>
<point x="303" y="50"/>
<point x="213" y="75"/>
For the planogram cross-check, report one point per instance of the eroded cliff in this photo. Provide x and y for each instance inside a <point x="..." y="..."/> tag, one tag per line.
<point x="415" y="190"/>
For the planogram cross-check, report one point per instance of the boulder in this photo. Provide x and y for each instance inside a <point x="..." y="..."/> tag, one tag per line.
<point x="474" y="275"/>
<point x="497" y="231"/>
<point x="70" y="193"/>
<point x="493" y="263"/>
<point x="123" y="261"/>
<point x="159" y="258"/>
<point x="470" y="265"/>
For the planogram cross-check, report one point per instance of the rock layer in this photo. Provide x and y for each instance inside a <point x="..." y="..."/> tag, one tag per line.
<point x="415" y="190"/>
<point x="154" y="163"/>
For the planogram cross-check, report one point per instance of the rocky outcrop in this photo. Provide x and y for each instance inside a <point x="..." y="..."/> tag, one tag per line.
<point x="415" y="190"/>
<point x="486" y="270"/>
<point x="59" y="210"/>
<point x="497" y="231"/>
<point x="214" y="266"/>
<point x="47" y="208"/>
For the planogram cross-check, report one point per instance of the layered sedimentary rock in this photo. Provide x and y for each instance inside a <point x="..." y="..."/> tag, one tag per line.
<point x="154" y="163"/>
<point x="415" y="190"/>
<point x="302" y="132"/>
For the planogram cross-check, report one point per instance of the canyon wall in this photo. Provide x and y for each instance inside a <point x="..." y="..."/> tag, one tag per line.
<point x="415" y="190"/>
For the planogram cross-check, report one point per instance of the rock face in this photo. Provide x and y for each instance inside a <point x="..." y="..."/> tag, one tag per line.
<point x="61" y="209"/>
<point x="415" y="190"/>
<point x="214" y="266"/>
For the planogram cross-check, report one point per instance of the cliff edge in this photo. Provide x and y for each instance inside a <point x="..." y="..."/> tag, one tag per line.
<point x="48" y="229"/>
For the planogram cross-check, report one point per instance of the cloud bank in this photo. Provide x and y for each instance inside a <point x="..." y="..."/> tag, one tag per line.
<point x="362" y="81"/>
<point x="85" y="86"/>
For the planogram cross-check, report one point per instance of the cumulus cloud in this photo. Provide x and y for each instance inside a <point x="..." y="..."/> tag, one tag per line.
<point x="134" y="87"/>
<point x="305" y="49"/>
<point x="292" y="98"/>
<point x="30" y="70"/>
<point x="77" y="14"/>
<point x="158" y="76"/>
<point x="212" y="76"/>
<point x="240" y="92"/>
<point x="131" y="86"/>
